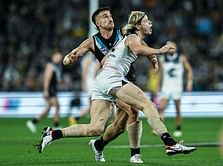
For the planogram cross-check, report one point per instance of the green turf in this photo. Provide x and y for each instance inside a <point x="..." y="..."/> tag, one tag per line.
<point x="16" y="146"/>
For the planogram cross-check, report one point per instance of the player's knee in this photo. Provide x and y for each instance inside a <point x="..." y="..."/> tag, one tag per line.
<point x="48" y="106"/>
<point x="47" y="110"/>
<point x="149" y="106"/>
<point x="145" y="105"/>
<point x="96" y="131"/>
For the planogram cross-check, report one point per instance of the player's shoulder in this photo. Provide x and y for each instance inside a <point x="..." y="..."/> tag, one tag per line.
<point x="133" y="37"/>
<point x="49" y="66"/>
<point x="89" y="40"/>
<point x="87" y="43"/>
<point x="183" y="57"/>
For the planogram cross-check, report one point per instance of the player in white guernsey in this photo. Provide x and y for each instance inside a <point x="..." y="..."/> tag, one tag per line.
<point x="114" y="86"/>
<point x="174" y="65"/>
<point x="89" y="67"/>
<point x="116" y="66"/>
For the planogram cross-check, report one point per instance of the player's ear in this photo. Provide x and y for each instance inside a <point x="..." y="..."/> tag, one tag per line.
<point x="138" y="26"/>
<point x="97" y="23"/>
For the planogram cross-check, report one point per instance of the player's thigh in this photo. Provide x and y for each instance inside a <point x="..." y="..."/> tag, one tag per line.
<point x="176" y="95"/>
<point x="100" y="111"/>
<point x="132" y="95"/>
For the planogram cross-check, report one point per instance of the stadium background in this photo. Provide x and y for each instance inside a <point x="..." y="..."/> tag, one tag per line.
<point x="31" y="30"/>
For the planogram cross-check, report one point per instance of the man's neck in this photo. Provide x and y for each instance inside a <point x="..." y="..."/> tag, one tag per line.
<point x="141" y="35"/>
<point x="106" y="33"/>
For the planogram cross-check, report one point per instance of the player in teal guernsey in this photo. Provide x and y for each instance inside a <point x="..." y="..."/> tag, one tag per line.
<point x="174" y="65"/>
<point x="100" y="44"/>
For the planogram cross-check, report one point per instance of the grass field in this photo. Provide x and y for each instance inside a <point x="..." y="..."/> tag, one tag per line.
<point x="16" y="146"/>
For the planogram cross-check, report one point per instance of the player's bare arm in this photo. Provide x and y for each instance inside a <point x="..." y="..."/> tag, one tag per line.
<point x="135" y="44"/>
<point x="189" y="71"/>
<point x="66" y="59"/>
<point x="84" y="47"/>
<point x="47" y="77"/>
<point x="153" y="59"/>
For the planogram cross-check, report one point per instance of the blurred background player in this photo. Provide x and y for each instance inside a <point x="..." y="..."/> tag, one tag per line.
<point x="52" y="75"/>
<point x="173" y="66"/>
<point x="89" y="67"/>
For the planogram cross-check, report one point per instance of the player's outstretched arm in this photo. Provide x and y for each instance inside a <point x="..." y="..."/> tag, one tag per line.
<point x="78" y="52"/>
<point x="67" y="60"/>
<point x="136" y="46"/>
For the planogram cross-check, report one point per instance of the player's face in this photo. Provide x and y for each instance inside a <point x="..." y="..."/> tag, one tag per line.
<point x="104" y="20"/>
<point x="57" y="58"/>
<point x="146" y="26"/>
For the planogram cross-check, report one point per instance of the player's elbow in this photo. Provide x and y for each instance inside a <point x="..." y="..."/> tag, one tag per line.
<point x="137" y="50"/>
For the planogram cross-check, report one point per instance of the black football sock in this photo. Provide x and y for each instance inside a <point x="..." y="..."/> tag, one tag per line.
<point x="100" y="144"/>
<point x="135" y="151"/>
<point x="167" y="139"/>
<point x="34" y="121"/>
<point x="77" y="118"/>
<point x="57" y="134"/>
<point x="56" y="124"/>
<point x="178" y="128"/>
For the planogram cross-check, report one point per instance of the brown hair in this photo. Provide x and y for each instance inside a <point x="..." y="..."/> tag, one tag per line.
<point x="95" y="14"/>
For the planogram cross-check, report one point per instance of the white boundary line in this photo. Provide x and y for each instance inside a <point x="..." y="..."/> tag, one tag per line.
<point x="197" y="144"/>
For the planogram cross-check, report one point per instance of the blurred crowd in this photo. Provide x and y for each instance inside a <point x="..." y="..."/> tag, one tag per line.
<point x="30" y="31"/>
